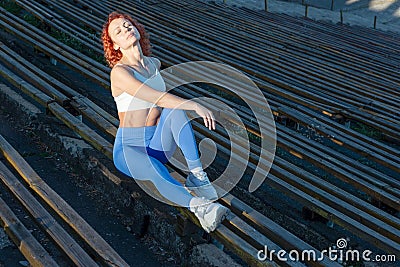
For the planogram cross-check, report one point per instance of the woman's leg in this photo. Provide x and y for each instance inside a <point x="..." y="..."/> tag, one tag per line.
<point x="174" y="129"/>
<point x="134" y="162"/>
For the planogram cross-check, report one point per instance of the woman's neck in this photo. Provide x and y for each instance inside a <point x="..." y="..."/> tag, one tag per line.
<point x="133" y="57"/>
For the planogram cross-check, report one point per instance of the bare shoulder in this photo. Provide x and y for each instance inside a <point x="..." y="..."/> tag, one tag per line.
<point x="120" y="78"/>
<point x="118" y="71"/>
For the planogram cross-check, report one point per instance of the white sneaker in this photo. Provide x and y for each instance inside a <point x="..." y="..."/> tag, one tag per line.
<point x="209" y="214"/>
<point x="201" y="186"/>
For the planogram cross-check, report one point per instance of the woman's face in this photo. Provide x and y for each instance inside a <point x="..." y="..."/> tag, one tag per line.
<point x="123" y="33"/>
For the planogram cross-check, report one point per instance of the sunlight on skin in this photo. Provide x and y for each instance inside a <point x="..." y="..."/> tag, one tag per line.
<point x="379" y="5"/>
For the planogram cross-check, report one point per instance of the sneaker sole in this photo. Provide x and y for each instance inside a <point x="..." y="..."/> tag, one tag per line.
<point x="221" y="216"/>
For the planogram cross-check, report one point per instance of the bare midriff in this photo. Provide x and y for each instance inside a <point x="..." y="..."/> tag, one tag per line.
<point x="139" y="118"/>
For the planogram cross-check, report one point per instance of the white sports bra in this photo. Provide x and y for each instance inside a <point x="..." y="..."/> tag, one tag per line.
<point x="126" y="102"/>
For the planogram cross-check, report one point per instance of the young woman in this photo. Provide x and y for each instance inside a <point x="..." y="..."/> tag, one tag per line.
<point x="153" y="122"/>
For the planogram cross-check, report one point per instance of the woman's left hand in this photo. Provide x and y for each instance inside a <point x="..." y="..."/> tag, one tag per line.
<point x="207" y="115"/>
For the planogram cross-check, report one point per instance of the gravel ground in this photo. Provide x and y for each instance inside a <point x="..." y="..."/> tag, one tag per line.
<point x="4" y="241"/>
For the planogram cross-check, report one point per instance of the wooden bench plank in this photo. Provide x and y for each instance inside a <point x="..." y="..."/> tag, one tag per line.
<point x="113" y="120"/>
<point x="228" y="40"/>
<point x="28" y="89"/>
<point x="287" y="26"/>
<point x="308" y="144"/>
<point x="58" y="51"/>
<point x="336" y="131"/>
<point x="70" y="10"/>
<point x="372" y="187"/>
<point x="94" y="117"/>
<point x="342" y="138"/>
<point x="338" y="218"/>
<point x="304" y="142"/>
<point x="45" y="220"/>
<point x="27" y="75"/>
<point x="60" y="24"/>
<point x="372" y="190"/>
<point x="46" y="77"/>
<point x="50" y="107"/>
<point x="273" y="230"/>
<point x="233" y="242"/>
<point x="321" y="128"/>
<point x="314" y="192"/>
<point x="104" y="251"/>
<point x="23" y="239"/>
<point x="246" y="25"/>
<point x="219" y="35"/>
<point x="21" y="62"/>
<point x="82" y="129"/>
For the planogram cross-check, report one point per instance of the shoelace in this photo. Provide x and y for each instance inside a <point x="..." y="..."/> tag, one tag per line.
<point x="202" y="178"/>
<point x="201" y="210"/>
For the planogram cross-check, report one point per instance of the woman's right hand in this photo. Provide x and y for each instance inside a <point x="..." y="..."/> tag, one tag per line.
<point x="207" y="115"/>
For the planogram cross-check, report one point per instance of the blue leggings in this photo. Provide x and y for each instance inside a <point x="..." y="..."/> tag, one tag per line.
<point x="141" y="152"/>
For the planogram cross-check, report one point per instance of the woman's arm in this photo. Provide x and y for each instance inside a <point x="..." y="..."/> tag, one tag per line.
<point x="123" y="81"/>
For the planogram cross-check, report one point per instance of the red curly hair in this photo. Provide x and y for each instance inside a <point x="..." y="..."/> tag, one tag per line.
<point x="113" y="56"/>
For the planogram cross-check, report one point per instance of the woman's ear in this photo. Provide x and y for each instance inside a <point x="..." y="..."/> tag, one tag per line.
<point x="116" y="47"/>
